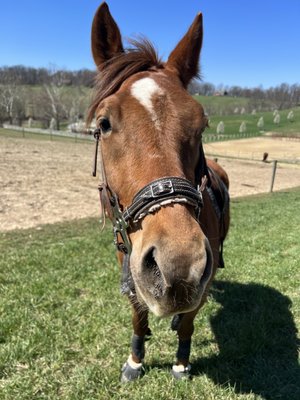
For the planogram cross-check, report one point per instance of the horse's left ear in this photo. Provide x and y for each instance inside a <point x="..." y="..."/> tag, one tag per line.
<point x="106" y="37"/>
<point x="184" y="59"/>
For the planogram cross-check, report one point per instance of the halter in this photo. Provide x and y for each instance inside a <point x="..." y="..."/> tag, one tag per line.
<point x="158" y="193"/>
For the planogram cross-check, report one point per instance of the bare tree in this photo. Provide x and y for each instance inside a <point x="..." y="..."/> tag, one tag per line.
<point x="56" y="109"/>
<point x="7" y="99"/>
<point x="11" y="103"/>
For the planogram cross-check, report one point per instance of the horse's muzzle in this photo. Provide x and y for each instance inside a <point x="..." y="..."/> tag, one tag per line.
<point x="172" y="283"/>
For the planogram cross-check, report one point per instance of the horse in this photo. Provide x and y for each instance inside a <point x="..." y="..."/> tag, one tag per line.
<point x="169" y="206"/>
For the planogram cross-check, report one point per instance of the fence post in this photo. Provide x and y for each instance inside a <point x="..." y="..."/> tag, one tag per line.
<point x="273" y="175"/>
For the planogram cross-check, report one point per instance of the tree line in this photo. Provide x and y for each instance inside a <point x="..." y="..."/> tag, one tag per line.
<point x="282" y="96"/>
<point x="21" y="75"/>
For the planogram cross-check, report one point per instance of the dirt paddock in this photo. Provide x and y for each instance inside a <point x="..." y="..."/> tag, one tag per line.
<point x="45" y="181"/>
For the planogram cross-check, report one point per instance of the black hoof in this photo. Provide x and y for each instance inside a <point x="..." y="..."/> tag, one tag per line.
<point x="181" y="372"/>
<point x="130" y="374"/>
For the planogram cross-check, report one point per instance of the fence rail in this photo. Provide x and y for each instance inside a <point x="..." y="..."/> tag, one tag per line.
<point x="214" y="137"/>
<point x="49" y="132"/>
<point x="290" y="157"/>
<point x="207" y="138"/>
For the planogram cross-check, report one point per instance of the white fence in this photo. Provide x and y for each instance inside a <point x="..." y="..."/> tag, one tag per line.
<point x="49" y="132"/>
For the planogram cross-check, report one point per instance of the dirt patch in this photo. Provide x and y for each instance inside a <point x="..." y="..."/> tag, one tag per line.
<point x="250" y="176"/>
<point x="285" y="149"/>
<point x="46" y="182"/>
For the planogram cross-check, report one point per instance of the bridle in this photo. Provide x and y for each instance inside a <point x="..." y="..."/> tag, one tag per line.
<point x="158" y="193"/>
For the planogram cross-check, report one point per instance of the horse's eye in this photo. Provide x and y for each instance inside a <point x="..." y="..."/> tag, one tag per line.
<point x="105" y="126"/>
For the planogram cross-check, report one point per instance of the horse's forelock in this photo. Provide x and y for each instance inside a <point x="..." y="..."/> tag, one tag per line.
<point x="142" y="56"/>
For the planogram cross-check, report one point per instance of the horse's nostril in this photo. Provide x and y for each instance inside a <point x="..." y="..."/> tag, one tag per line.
<point x="149" y="260"/>
<point x="152" y="271"/>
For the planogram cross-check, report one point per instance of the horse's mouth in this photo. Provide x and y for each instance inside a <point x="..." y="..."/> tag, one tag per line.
<point x="165" y="300"/>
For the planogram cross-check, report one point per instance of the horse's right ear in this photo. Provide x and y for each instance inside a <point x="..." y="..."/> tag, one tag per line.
<point x="106" y="37"/>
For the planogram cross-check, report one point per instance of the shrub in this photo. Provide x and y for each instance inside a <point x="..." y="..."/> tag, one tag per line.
<point x="220" y="128"/>
<point x="277" y="119"/>
<point x="243" y="127"/>
<point x="261" y="123"/>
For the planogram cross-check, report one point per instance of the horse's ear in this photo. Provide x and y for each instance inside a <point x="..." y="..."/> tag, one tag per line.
<point x="184" y="59"/>
<point x="106" y="37"/>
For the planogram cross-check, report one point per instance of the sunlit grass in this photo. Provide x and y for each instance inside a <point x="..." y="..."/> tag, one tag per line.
<point x="65" y="329"/>
<point x="233" y="122"/>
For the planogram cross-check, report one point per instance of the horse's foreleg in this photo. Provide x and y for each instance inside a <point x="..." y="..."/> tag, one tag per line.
<point x="184" y="325"/>
<point x="133" y="367"/>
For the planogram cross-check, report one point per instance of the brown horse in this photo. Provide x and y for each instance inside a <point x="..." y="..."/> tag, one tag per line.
<point x="155" y="182"/>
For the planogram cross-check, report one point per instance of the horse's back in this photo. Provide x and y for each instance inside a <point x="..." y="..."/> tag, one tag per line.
<point x="219" y="171"/>
<point x="218" y="191"/>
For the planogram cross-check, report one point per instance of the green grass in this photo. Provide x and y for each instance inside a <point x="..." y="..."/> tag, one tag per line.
<point x="65" y="329"/>
<point x="219" y="103"/>
<point x="232" y="123"/>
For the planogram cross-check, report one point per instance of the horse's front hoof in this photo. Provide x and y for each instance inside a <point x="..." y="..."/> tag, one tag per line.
<point x="180" y="372"/>
<point x="131" y="371"/>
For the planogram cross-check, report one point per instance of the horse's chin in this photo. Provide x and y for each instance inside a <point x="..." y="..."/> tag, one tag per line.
<point x="165" y="308"/>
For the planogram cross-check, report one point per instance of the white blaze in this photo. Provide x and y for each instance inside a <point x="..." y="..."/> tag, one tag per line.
<point x="144" y="90"/>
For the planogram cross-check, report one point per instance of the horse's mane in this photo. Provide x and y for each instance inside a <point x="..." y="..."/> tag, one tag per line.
<point x="142" y="56"/>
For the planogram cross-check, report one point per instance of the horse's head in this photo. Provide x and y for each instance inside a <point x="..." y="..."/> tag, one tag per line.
<point x="151" y="128"/>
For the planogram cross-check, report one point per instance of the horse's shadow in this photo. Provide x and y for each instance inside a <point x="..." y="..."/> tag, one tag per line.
<point x="257" y="342"/>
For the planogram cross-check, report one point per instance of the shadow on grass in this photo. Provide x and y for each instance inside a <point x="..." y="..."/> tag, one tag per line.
<point x="257" y="341"/>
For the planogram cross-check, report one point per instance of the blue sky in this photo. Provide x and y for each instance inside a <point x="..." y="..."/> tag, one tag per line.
<point x="246" y="42"/>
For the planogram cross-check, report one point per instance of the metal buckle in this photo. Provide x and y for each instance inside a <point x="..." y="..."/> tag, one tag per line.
<point x="125" y="246"/>
<point x="120" y="226"/>
<point x="158" y="189"/>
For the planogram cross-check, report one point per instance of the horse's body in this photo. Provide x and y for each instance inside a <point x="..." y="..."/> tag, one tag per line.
<point x="150" y="128"/>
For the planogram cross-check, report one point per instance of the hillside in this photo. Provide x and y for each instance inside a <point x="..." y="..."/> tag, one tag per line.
<point x="223" y="107"/>
<point x="42" y="106"/>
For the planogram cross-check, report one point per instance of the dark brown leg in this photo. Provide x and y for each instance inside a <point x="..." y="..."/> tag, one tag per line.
<point x="132" y="369"/>
<point x="140" y="331"/>
<point x="185" y="331"/>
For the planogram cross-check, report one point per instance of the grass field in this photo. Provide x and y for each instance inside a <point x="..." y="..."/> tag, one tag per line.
<point x="233" y="121"/>
<point x="65" y="329"/>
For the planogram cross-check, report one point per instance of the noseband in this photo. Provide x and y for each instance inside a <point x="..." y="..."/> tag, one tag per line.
<point x="158" y="193"/>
